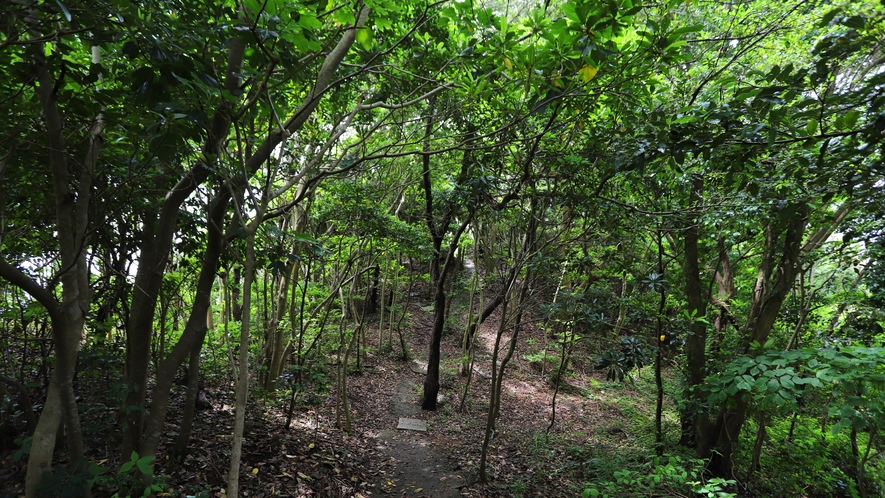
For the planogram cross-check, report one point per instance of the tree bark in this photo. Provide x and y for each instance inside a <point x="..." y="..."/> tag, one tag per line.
<point x="242" y="391"/>
<point x="694" y="422"/>
<point x="659" y="383"/>
<point x="155" y="246"/>
<point x="179" y="449"/>
<point x="773" y="287"/>
<point x="439" y="276"/>
<point x="194" y="330"/>
<point x="68" y="316"/>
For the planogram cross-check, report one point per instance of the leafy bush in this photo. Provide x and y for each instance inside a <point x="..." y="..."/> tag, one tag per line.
<point x="667" y="475"/>
<point x="618" y="362"/>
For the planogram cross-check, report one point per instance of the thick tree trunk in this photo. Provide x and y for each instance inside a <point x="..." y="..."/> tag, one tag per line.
<point x="725" y="282"/>
<point x="694" y="422"/>
<point x="772" y="289"/>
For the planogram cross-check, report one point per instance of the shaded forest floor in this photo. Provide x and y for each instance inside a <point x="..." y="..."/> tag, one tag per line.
<point x="599" y="428"/>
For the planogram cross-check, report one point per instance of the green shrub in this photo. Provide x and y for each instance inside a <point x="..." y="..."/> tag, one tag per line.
<point x="665" y="476"/>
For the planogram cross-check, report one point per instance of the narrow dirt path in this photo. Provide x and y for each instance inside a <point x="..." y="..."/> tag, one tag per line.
<point x="413" y="468"/>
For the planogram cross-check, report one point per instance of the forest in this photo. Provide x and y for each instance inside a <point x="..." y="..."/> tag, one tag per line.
<point x="442" y="248"/>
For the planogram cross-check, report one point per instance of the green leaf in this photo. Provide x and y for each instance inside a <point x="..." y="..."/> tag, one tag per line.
<point x="856" y="22"/>
<point x="144" y="465"/>
<point x="364" y="37"/>
<point x="64" y="10"/>
<point x="309" y="21"/>
<point x="828" y="17"/>
<point x="851" y="119"/>
<point x="688" y="29"/>
<point x="836" y="428"/>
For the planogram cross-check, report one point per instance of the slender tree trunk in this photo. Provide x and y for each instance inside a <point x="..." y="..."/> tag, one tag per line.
<point x="567" y="346"/>
<point x="862" y="463"/>
<point x="431" y="381"/>
<point x="498" y="372"/>
<point x="276" y="342"/>
<point x="521" y="256"/>
<point x="237" y="305"/>
<point x="466" y="339"/>
<point x="761" y="434"/>
<point x="622" y="307"/>
<point x="384" y="278"/>
<point x="404" y="348"/>
<point x="179" y="450"/>
<point x="471" y="356"/>
<point x="490" y="418"/>
<point x="659" y="384"/>
<point x="193" y="335"/>
<point x="242" y="391"/>
<point x="155" y="246"/>
<point x="342" y="373"/>
<point x="67" y="317"/>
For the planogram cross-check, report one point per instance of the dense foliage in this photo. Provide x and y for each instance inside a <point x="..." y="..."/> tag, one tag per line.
<point x="694" y="184"/>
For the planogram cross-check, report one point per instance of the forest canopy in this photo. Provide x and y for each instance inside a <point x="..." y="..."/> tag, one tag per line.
<point x="694" y="185"/>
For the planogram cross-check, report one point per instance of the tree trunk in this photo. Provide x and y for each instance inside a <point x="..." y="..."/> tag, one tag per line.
<point x="695" y="425"/>
<point x="761" y="434"/>
<point x="490" y="417"/>
<point x="192" y="336"/>
<point x="179" y="450"/>
<point x="659" y="383"/>
<point x="155" y="246"/>
<point x="431" y="381"/>
<point x="276" y="337"/>
<point x="498" y="372"/>
<point x="772" y="289"/>
<point x="67" y="317"/>
<point x="242" y="391"/>
<point x="235" y="296"/>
